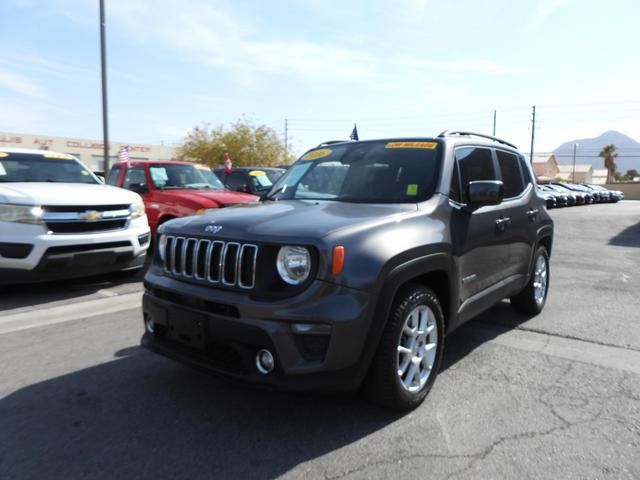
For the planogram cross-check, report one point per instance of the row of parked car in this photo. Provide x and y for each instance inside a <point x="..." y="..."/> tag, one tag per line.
<point x="558" y="194"/>
<point x="59" y="220"/>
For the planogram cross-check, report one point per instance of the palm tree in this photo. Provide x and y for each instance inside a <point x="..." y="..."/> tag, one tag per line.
<point x="609" y="154"/>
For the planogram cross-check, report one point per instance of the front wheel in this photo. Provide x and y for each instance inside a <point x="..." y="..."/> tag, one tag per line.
<point x="531" y="300"/>
<point x="408" y="357"/>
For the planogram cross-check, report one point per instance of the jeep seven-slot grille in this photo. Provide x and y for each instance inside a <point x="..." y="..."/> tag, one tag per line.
<point x="214" y="261"/>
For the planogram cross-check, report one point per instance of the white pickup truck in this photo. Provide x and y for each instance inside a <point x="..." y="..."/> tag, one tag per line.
<point x="57" y="220"/>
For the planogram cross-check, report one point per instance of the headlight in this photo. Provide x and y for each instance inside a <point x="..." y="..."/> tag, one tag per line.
<point x="162" y="246"/>
<point x="294" y="264"/>
<point x="137" y="209"/>
<point x="20" y="213"/>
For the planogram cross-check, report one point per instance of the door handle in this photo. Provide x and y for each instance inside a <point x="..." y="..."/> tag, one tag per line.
<point x="532" y="214"/>
<point x="502" y="223"/>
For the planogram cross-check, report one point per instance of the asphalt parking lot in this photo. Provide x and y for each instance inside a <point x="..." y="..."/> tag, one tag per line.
<point x="554" y="396"/>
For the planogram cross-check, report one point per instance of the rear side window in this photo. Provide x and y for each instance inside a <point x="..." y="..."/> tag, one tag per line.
<point x="511" y="175"/>
<point x="526" y="173"/>
<point x="114" y="173"/>
<point x="134" y="176"/>
<point x="475" y="164"/>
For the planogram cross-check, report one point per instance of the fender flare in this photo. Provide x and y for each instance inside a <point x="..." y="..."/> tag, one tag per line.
<point x="397" y="277"/>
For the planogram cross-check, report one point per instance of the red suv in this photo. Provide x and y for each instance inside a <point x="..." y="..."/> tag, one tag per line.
<point x="174" y="189"/>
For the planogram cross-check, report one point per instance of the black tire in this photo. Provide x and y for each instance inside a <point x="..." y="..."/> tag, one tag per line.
<point x="525" y="301"/>
<point x="383" y="385"/>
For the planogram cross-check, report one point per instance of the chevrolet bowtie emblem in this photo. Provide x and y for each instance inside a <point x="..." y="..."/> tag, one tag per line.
<point x="91" y="216"/>
<point x="212" y="229"/>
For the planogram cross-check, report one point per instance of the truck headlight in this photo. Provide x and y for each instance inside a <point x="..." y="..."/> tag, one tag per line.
<point x="137" y="209"/>
<point x="294" y="264"/>
<point x="20" y="213"/>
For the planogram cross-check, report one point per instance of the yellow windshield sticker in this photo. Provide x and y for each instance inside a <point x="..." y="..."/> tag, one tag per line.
<point x="85" y="173"/>
<point x="315" y="154"/>
<point x="412" y="189"/>
<point x="427" y="145"/>
<point x="59" y="156"/>
<point x="3" y="154"/>
<point x="256" y="173"/>
<point x="201" y="167"/>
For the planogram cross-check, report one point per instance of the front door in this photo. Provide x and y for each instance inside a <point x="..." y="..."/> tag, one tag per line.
<point x="480" y="236"/>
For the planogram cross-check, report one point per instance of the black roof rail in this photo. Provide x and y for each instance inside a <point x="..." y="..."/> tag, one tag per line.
<point x="482" y="135"/>
<point x="331" y="142"/>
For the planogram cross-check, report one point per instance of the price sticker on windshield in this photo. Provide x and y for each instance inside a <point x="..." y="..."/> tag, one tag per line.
<point x="201" y="167"/>
<point x="3" y="154"/>
<point x="427" y="145"/>
<point x="256" y="173"/>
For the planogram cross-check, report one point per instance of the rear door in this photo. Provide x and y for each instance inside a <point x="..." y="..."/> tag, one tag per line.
<point x="521" y="214"/>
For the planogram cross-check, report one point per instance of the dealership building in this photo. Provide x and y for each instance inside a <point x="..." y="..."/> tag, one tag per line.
<point x="89" y="151"/>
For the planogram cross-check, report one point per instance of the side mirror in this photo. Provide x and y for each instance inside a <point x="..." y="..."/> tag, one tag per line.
<point x="139" y="188"/>
<point x="485" y="192"/>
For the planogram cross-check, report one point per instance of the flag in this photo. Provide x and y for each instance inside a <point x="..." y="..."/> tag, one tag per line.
<point x="354" y="133"/>
<point x="227" y="163"/>
<point x="123" y="156"/>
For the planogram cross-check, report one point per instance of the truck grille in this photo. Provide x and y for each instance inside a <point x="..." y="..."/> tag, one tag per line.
<point x="213" y="261"/>
<point x="85" y="219"/>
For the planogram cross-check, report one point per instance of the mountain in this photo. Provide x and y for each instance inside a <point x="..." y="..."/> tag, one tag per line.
<point x="588" y="149"/>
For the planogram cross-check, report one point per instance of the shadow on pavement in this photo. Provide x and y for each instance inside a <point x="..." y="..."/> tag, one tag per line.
<point x="26" y="295"/>
<point x="498" y="320"/>
<point x="142" y="416"/>
<point x="629" y="237"/>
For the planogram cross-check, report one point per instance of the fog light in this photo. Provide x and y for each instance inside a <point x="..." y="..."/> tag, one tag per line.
<point x="148" y="325"/>
<point x="264" y="361"/>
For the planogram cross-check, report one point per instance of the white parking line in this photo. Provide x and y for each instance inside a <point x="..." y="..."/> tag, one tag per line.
<point x="67" y="313"/>
<point x="618" y="358"/>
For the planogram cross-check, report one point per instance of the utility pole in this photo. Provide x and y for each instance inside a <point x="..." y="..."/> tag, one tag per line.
<point x="573" y="175"/>
<point x="103" y="65"/>
<point x="286" y="139"/>
<point x="533" y="131"/>
<point x="494" y="123"/>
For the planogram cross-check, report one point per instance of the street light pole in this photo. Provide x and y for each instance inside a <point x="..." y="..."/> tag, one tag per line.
<point x="103" y="65"/>
<point x="573" y="175"/>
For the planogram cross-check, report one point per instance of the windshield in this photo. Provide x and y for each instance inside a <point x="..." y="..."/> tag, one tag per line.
<point x="45" y="167"/>
<point x="364" y="172"/>
<point x="174" y="176"/>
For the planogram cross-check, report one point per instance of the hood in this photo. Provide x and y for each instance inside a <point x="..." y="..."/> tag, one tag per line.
<point x="45" y="193"/>
<point x="222" y="197"/>
<point x="275" y="221"/>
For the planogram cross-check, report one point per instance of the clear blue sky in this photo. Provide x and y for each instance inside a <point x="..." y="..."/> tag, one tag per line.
<point x="409" y="67"/>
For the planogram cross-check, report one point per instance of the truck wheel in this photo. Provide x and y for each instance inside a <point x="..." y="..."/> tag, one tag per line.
<point x="408" y="357"/>
<point x="531" y="300"/>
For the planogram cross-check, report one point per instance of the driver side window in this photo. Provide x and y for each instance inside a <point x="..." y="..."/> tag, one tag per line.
<point x="474" y="163"/>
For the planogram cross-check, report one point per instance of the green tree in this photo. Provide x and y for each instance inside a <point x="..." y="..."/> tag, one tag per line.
<point x="246" y="143"/>
<point x="609" y="154"/>
<point x="632" y="173"/>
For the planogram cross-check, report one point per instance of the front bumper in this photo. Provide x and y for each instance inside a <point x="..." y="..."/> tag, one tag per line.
<point x="317" y="338"/>
<point x="59" y="256"/>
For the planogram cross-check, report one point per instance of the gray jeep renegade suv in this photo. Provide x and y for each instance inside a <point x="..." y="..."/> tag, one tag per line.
<point x="354" y="267"/>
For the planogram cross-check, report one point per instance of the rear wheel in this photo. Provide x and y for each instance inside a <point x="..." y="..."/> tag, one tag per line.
<point x="531" y="300"/>
<point x="408" y="357"/>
